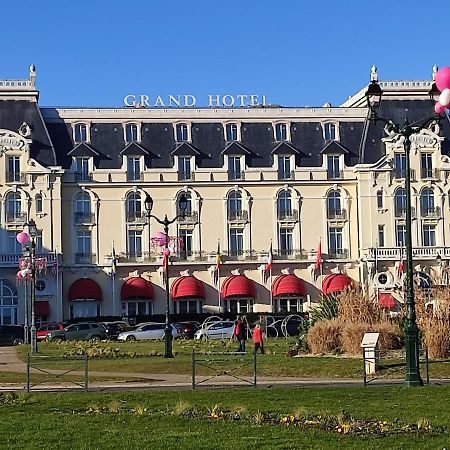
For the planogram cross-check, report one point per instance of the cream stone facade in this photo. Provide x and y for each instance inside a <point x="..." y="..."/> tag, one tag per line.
<point x="255" y="178"/>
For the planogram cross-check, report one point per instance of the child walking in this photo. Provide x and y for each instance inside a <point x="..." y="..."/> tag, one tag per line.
<point x="258" y="339"/>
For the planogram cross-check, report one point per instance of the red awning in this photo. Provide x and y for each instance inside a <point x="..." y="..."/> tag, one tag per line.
<point x="385" y="300"/>
<point x="188" y="286"/>
<point x="336" y="282"/>
<point x="136" y="287"/>
<point x="238" y="286"/>
<point x="42" y="308"/>
<point x="288" y="285"/>
<point x="85" y="289"/>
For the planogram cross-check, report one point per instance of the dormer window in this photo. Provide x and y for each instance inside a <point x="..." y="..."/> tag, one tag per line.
<point x="231" y="132"/>
<point x="329" y="131"/>
<point x="134" y="172"/>
<point x="184" y="168"/>
<point x="235" y="168"/>
<point x="131" y="132"/>
<point x="334" y="170"/>
<point x="284" y="167"/>
<point x="13" y="172"/>
<point x="182" y="132"/>
<point x="82" y="169"/>
<point x="80" y="133"/>
<point x="281" y="132"/>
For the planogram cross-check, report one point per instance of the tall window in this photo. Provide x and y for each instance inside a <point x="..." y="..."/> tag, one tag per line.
<point x="400" y="202"/>
<point x="131" y="132"/>
<point x="427" y="202"/>
<point x="284" y="205"/>
<point x="9" y="304"/>
<point x="82" y="208"/>
<point x="400" y="235"/>
<point x="400" y="165"/>
<point x="234" y="168"/>
<point x="14" y="208"/>
<point x="188" y="211"/>
<point x="334" y="210"/>
<point x="13" y="247"/>
<point x="231" y="132"/>
<point x="234" y="206"/>
<point x="186" y="235"/>
<point x="429" y="236"/>
<point x="80" y="133"/>
<point x="380" y="235"/>
<point x="133" y="168"/>
<point x="134" y="243"/>
<point x="133" y="207"/>
<point x="84" y="246"/>
<point x="380" y="199"/>
<point x="182" y="132"/>
<point x="330" y="131"/>
<point x="284" y="167"/>
<point x="286" y="246"/>
<point x="426" y="165"/>
<point x="184" y="168"/>
<point x="13" y="171"/>
<point x="82" y="169"/>
<point x="334" y="167"/>
<point x="335" y="242"/>
<point x="236" y="241"/>
<point x="281" y="132"/>
<point x="38" y="203"/>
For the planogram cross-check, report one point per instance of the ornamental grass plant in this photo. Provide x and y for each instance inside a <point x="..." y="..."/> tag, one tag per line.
<point x="325" y="336"/>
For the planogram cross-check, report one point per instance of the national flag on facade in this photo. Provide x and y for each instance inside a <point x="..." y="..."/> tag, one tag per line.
<point x="55" y="264"/>
<point x="319" y="255"/>
<point x="400" y="266"/>
<point x="218" y="257"/>
<point x="270" y="259"/>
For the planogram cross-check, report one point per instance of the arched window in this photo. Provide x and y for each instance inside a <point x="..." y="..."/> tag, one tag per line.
<point x="14" y="207"/>
<point x="80" y="132"/>
<point x="234" y="205"/>
<point x="427" y="202"/>
<point x="182" y="132"/>
<point x="83" y="208"/>
<point x="281" y="132"/>
<point x="188" y="210"/>
<point x="9" y="304"/>
<point x="334" y="209"/>
<point x="131" y="132"/>
<point x="38" y="203"/>
<point x="133" y="207"/>
<point x="284" y="205"/>
<point x="231" y="132"/>
<point x="400" y="202"/>
<point x="380" y="199"/>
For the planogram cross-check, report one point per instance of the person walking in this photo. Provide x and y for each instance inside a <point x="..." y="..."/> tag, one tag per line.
<point x="258" y="342"/>
<point x="239" y="332"/>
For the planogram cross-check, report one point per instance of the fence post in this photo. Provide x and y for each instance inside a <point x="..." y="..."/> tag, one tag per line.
<point x="364" y="367"/>
<point x="254" y="369"/>
<point x="193" y="369"/>
<point x="427" y="366"/>
<point x="28" y="372"/>
<point x="86" y="373"/>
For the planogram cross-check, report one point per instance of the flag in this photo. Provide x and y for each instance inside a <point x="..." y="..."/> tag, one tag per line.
<point x="113" y="261"/>
<point x="270" y="259"/>
<point x="218" y="257"/>
<point x="400" y="266"/>
<point x="55" y="265"/>
<point x="319" y="256"/>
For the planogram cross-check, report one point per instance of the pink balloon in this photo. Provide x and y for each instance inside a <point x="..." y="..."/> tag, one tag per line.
<point x="166" y="252"/>
<point x="444" y="98"/>
<point x="160" y="239"/>
<point x="443" y="78"/>
<point x="23" y="238"/>
<point x="438" y="108"/>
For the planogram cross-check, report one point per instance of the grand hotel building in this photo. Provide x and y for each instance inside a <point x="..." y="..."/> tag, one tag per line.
<point x="253" y="177"/>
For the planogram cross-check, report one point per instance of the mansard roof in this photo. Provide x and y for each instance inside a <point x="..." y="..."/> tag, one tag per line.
<point x="185" y="149"/>
<point x="13" y="113"/>
<point x="284" y="148"/>
<point x="235" y="148"/>
<point x="334" y="147"/>
<point x="83" y="149"/>
<point x="133" y="148"/>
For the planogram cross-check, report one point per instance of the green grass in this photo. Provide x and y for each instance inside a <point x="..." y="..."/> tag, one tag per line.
<point x="53" y="420"/>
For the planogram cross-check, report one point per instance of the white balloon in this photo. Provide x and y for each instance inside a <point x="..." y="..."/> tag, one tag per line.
<point x="444" y="98"/>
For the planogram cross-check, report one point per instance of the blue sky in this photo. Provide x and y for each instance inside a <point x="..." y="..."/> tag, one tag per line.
<point x="297" y="53"/>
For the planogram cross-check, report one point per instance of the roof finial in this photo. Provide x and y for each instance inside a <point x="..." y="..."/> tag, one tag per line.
<point x="435" y="69"/>
<point x="373" y="73"/>
<point x="32" y="74"/>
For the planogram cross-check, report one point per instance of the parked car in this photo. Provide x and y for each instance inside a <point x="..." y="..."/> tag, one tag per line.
<point x="187" y="330"/>
<point x="150" y="330"/>
<point x="223" y="329"/>
<point x="113" y="329"/>
<point x="82" y="331"/>
<point x="44" y="330"/>
<point x="11" y="335"/>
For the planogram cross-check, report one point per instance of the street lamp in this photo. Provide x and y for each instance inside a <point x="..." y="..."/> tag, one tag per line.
<point x="182" y="205"/>
<point x="32" y="231"/>
<point x="373" y="98"/>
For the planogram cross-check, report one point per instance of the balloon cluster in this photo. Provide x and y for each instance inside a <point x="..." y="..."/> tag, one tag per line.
<point x="443" y="84"/>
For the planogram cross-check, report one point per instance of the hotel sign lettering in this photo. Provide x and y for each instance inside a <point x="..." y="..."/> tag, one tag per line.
<point x="190" y="101"/>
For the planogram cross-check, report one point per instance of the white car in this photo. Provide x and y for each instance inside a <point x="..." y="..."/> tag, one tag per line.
<point x="150" y="330"/>
<point x="222" y="329"/>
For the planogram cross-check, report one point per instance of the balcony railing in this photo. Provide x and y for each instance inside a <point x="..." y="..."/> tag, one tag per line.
<point x="286" y="175"/>
<point x="401" y="212"/>
<point x="187" y="217"/>
<point x="135" y="216"/>
<point x="12" y="259"/>
<point x="335" y="174"/>
<point x="135" y="176"/>
<point x="336" y="214"/>
<point x="235" y="175"/>
<point x="16" y="177"/>
<point x="287" y="215"/>
<point x="16" y="217"/>
<point x="429" y="174"/>
<point x="339" y="253"/>
<point x="431" y="212"/>
<point x="85" y="258"/>
<point x="393" y="253"/>
<point x="400" y="174"/>
<point x="237" y="216"/>
<point x="82" y="176"/>
<point x="185" y="176"/>
<point x="83" y="217"/>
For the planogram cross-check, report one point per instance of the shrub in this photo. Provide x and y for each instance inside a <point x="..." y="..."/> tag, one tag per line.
<point x="352" y="334"/>
<point x="437" y="337"/>
<point x="354" y="307"/>
<point x="325" y="336"/>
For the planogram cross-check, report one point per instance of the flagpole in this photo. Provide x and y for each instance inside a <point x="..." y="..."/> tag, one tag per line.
<point x="58" y="297"/>
<point x="113" y="280"/>
<point x="218" y="289"/>
<point x="271" y="293"/>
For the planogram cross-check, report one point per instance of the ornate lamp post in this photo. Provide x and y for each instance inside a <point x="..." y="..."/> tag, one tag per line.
<point x="182" y="205"/>
<point x="373" y="97"/>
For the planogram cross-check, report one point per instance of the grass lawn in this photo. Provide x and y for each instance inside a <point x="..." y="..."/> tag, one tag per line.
<point x="155" y="419"/>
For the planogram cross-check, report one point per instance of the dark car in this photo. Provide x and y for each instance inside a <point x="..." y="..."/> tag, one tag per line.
<point x="113" y="329"/>
<point x="187" y="330"/>
<point x="11" y="335"/>
<point x="82" y="331"/>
